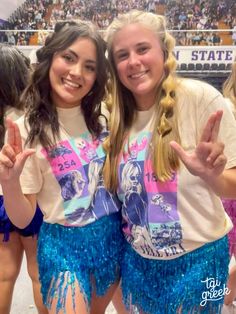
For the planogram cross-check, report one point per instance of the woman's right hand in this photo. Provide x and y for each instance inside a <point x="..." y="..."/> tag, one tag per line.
<point x="12" y="156"/>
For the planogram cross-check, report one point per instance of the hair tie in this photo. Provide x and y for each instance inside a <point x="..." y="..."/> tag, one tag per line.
<point x="165" y="126"/>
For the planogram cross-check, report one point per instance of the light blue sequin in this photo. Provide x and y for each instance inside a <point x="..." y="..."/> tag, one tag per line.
<point x="174" y="286"/>
<point x="70" y="255"/>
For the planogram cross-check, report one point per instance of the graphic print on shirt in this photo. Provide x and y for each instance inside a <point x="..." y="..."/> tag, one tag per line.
<point x="77" y="166"/>
<point x="151" y="220"/>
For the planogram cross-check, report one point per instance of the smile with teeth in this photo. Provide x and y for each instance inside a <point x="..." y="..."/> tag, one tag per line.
<point x="137" y="75"/>
<point x="71" y="84"/>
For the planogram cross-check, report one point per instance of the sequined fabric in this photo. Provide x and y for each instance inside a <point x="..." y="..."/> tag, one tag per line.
<point x="79" y="255"/>
<point x="180" y="285"/>
<point x="230" y="207"/>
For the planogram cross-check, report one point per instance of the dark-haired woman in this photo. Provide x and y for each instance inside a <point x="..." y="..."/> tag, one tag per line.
<point x="14" y="74"/>
<point x="63" y="131"/>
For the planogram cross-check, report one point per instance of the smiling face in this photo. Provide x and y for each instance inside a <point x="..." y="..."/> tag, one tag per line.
<point x="73" y="73"/>
<point x="139" y="61"/>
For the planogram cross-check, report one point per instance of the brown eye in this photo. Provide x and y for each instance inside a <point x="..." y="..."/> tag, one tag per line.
<point x="68" y="58"/>
<point x="90" y="68"/>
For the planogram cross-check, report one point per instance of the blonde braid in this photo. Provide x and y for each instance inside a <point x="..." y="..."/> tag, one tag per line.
<point x="164" y="159"/>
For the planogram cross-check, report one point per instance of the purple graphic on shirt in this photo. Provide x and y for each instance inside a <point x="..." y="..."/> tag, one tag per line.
<point x="68" y="171"/>
<point x="103" y="201"/>
<point x="151" y="221"/>
<point x="87" y="151"/>
<point x="77" y="166"/>
<point x="72" y="185"/>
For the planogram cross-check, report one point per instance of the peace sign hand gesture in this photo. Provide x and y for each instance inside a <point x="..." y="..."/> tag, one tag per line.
<point x="208" y="160"/>
<point x="12" y="156"/>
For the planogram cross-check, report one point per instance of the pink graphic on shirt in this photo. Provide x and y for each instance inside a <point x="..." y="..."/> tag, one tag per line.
<point x="134" y="149"/>
<point x="62" y="158"/>
<point x="152" y="184"/>
<point x="151" y="221"/>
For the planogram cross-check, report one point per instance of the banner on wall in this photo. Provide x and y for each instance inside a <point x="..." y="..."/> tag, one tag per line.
<point x="188" y="54"/>
<point x="205" y="54"/>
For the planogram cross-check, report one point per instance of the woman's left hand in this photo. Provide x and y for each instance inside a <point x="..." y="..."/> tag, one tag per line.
<point x="208" y="159"/>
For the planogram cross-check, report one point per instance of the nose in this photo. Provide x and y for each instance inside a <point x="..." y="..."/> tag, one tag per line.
<point x="76" y="69"/>
<point x="133" y="59"/>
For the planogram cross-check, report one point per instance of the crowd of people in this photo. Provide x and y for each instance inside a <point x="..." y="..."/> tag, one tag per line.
<point x="200" y="15"/>
<point x="29" y="16"/>
<point x="127" y="165"/>
<point x="181" y="15"/>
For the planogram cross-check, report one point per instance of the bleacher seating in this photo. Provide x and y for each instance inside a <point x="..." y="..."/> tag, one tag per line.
<point x="206" y="67"/>
<point x="102" y="15"/>
<point x="199" y="67"/>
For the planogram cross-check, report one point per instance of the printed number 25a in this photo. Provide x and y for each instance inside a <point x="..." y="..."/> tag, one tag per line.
<point x="66" y="165"/>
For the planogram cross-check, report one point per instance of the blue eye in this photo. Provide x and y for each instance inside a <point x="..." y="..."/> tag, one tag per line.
<point x="142" y="50"/>
<point x="122" y="56"/>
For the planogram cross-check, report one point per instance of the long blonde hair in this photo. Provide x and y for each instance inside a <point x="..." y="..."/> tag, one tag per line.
<point x="163" y="157"/>
<point x="229" y="86"/>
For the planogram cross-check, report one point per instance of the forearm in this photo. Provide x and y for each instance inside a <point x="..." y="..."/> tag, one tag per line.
<point x="19" y="208"/>
<point x="225" y="184"/>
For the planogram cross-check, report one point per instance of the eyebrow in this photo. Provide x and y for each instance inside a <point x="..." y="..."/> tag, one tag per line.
<point x="88" y="60"/>
<point x="137" y="45"/>
<point x="142" y="43"/>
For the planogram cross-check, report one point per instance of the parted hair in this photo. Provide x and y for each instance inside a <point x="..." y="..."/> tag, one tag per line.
<point x="229" y="86"/>
<point x="40" y="110"/>
<point x="123" y="106"/>
<point x="14" y="75"/>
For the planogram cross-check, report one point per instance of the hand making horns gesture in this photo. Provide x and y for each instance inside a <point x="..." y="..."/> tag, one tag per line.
<point x="208" y="159"/>
<point x="12" y="156"/>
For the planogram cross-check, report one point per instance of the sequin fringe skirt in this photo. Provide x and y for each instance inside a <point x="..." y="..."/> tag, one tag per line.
<point x="230" y="207"/>
<point x="88" y="257"/>
<point x="189" y="284"/>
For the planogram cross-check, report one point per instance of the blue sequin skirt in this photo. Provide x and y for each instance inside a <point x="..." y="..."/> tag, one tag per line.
<point x="189" y="284"/>
<point x="87" y="256"/>
<point x="6" y="226"/>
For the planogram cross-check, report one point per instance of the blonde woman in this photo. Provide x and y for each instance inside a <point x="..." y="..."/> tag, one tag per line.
<point x="179" y="263"/>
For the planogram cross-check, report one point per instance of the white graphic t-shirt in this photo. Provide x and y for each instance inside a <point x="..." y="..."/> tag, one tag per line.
<point x="166" y="220"/>
<point x="67" y="178"/>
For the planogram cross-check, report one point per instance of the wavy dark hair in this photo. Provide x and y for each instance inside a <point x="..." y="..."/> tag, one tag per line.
<point x="40" y="110"/>
<point x="14" y="75"/>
